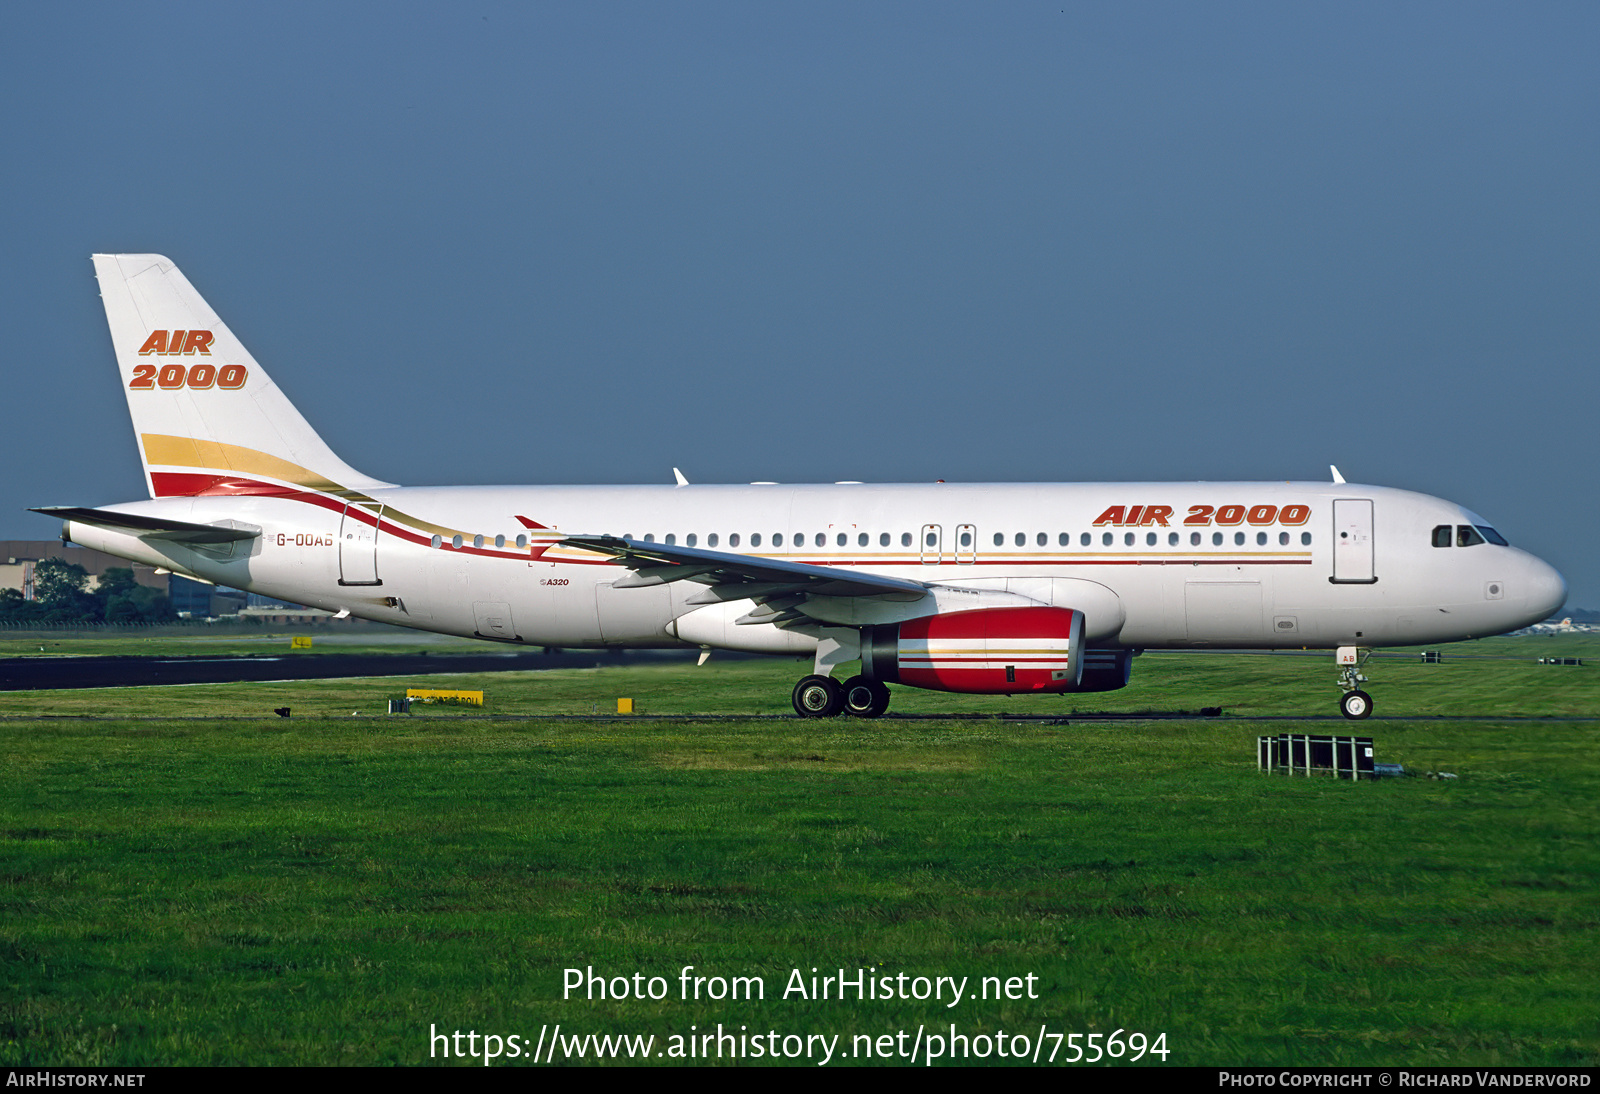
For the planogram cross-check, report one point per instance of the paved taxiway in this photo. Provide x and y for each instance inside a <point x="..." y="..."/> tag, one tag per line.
<point x="59" y="673"/>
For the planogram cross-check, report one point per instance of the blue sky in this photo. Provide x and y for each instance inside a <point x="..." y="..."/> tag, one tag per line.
<point x="893" y="242"/>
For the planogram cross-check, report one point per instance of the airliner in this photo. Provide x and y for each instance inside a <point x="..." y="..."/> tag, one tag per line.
<point x="967" y="588"/>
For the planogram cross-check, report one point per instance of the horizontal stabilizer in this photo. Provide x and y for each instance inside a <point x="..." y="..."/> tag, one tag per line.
<point x="179" y="531"/>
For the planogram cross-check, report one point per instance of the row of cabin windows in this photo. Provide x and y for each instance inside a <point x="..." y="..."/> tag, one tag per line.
<point x="842" y="539"/>
<point x="1467" y="535"/>
<point x="965" y="539"/>
<point x="478" y="541"/>
<point x="1107" y="539"/>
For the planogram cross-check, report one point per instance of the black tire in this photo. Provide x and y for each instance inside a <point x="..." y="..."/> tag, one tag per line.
<point x="865" y="698"/>
<point x="1356" y="705"/>
<point x="818" y="697"/>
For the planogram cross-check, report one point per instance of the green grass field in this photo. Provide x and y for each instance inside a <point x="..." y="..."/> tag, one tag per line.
<point x="189" y="879"/>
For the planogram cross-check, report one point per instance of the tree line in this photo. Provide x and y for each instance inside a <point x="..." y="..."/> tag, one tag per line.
<point x="61" y="595"/>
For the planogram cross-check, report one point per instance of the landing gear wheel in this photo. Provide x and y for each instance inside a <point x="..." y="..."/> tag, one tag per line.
<point x="818" y="697"/>
<point x="1356" y="704"/>
<point x="865" y="698"/>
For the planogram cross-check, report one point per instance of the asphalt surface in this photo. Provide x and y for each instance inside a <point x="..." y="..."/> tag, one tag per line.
<point x="52" y="673"/>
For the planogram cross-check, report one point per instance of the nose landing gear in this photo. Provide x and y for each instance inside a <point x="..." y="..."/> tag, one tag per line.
<point x="1355" y="703"/>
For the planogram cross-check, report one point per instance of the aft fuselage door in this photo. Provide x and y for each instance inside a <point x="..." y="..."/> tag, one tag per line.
<point x="1352" y="542"/>
<point x="358" y="546"/>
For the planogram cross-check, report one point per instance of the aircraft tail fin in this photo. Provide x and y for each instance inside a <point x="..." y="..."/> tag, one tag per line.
<point x="208" y="418"/>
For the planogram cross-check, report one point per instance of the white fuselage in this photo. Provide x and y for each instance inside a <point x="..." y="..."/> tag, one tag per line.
<point x="1151" y="565"/>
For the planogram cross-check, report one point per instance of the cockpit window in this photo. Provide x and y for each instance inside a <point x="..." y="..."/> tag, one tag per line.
<point x="1442" y="535"/>
<point x="1492" y="536"/>
<point x="1467" y="536"/>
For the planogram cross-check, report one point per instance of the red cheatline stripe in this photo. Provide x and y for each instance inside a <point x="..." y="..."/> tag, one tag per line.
<point x="174" y="484"/>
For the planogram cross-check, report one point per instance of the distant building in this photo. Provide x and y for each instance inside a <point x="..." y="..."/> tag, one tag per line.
<point x="197" y="600"/>
<point x="19" y="557"/>
<point x="190" y="599"/>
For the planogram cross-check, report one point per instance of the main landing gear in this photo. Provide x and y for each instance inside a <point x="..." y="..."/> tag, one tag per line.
<point x="823" y="697"/>
<point x="1355" y="703"/>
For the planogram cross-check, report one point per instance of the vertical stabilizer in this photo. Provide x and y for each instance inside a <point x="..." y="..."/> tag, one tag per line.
<point x="207" y="417"/>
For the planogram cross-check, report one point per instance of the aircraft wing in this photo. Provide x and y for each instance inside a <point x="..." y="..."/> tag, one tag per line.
<point x="178" y="531"/>
<point x="740" y="577"/>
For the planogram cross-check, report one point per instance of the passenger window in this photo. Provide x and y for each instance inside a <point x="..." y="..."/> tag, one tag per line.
<point x="711" y="540"/>
<point x="437" y="542"/>
<point x="1127" y="539"/>
<point x="861" y="540"/>
<point x="1467" y="536"/>
<point x="522" y="541"/>
<point x="1238" y="539"/>
<point x="883" y="539"/>
<point x="1149" y="539"/>
<point x="455" y="541"/>
<point x="1064" y="539"/>
<point x="933" y="539"/>
<point x="966" y="539"/>
<point x="499" y="541"/>
<point x="1172" y="539"/>
<point x="1441" y="535"/>
<point x="1216" y="539"/>
<point x="1194" y="539"/>
<point x="1283" y="539"/>
<point x="672" y="539"/>
<point x="1305" y="539"/>
<point x="690" y="540"/>
<point x="1085" y="539"/>
<point x="999" y="539"/>
<point x="1021" y="539"/>
<point x="777" y="539"/>
<point x="840" y="540"/>
<point x="733" y="539"/>
<point x="1261" y="539"/>
<point x="1106" y="540"/>
<point x="905" y="539"/>
<point x="1042" y="540"/>
<point x="477" y="541"/>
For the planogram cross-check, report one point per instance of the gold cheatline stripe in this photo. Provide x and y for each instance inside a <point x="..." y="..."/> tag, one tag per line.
<point x="215" y="456"/>
<point x="168" y="451"/>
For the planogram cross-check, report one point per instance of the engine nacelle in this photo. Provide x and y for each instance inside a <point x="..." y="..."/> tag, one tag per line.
<point x="988" y="651"/>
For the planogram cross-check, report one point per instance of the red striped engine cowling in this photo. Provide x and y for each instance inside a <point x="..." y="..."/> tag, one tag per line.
<point x="990" y="651"/>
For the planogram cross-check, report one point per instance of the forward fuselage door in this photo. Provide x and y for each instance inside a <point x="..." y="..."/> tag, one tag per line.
<point x="1352" y="542"/>
<point x="358" y="546"/>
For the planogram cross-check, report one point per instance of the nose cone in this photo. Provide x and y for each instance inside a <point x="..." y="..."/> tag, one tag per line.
<point x="1547" y="590"/>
